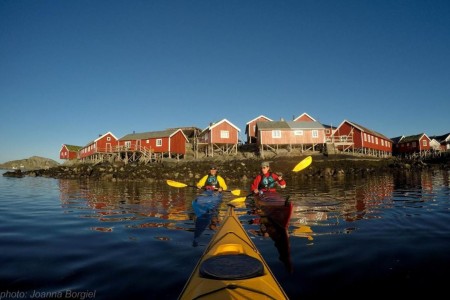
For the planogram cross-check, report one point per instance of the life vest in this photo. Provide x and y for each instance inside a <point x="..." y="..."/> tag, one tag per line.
<point x="211" y="182"/>
<point x="266" y="183"/>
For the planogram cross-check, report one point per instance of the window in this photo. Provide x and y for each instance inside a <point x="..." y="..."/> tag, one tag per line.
<point x="224" y="134"/>
<point x="382" y="143"/>
<point x="158" y="142"/>
<point x="127" y="144"/>
<point x="147" y="141"/>
<point x="276" y="134"/>
<point x="365" y="137"/>
<point x="376" y="140"/>
<point x="327" y="131"/>
<point x="315" y="133"/>
<point x="108" y="138"/>
<point x="424" y="142"/>
<point x="298" y="132"/>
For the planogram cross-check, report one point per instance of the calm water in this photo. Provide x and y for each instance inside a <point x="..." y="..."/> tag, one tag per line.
<point x="353" y="238"/>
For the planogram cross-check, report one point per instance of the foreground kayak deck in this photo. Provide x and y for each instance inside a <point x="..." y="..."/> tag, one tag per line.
<point x="232" y="268"/>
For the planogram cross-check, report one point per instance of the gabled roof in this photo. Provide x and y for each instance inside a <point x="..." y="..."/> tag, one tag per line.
<point x="99" y="138"/>
<point x="397" y="139"/>
<point x="72" y="147"/>
<point x="364" y="129"/>
<point x="304" y="115"/>
<point x="151" y="135"/>
<point x="258" y="117"/>
<point x="189" y="131"/>
<point x="413" y="138"/>
<point x="441" y="138"/>
<point x="210" y="127"/>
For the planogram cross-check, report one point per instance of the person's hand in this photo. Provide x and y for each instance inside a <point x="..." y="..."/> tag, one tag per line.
<point x="220" y="189"/>
<point x="280" y="176"/>
<point x="256" y="191"/>
<point x="282" y="186"/>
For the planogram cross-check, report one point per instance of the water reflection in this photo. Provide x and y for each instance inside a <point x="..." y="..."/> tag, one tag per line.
<point x="136" y="204"/>
<point x="318" y="203"/>
<point x="273" y="220"/>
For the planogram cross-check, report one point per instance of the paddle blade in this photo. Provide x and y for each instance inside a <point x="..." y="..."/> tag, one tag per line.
<point x="303" y="164"/>
<point x="238" y="200"/>
<point x="236" y="192"/>
<point x="176" y="184"/>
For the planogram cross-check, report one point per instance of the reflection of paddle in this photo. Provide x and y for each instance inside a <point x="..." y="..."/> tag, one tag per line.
<point x="303" y="231"/>
<point x="182" y="185"/>
<point x="300" y="166"/>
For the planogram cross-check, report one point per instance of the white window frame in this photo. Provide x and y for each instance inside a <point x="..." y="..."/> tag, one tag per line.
<point x="224" y="134"/>
<point x="276" y="134"/>
<point x="315" y="133"/>
<point x="158" y="142"/>
<point x="298" y="132"/>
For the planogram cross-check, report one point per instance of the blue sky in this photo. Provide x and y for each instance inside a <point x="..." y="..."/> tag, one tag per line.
<point x="70" y="70"/>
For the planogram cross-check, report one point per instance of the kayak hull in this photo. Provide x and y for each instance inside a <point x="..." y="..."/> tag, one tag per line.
<point x="231" y="267"/>
<point x="206" y="202"/>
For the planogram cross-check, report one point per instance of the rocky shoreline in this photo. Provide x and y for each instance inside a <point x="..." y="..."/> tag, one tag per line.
<point x="235" y="170"/>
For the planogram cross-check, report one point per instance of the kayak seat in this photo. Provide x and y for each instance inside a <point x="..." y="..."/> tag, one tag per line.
<point x="231" y="267"/>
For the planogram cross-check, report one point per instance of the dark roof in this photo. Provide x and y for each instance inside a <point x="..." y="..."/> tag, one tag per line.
<point x="272" y="125"/>
<point x="440" y="138"/>
<point x="372" y="132"/>
<point x="397" y="139"/>
<point x="412" y="138"/>
<point x="148" y="135"/>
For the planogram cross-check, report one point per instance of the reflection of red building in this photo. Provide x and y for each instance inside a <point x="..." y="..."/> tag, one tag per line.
<point x="124" y="202"/>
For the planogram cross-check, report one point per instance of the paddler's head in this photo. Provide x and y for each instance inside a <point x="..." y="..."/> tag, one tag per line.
<point x="265" y="166"/>
<point x="213" y="170"/>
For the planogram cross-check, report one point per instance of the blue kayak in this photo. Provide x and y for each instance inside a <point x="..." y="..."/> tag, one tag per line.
<point x="206" y="202"/>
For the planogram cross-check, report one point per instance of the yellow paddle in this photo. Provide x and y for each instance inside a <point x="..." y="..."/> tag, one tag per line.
<point x="182" y="185"/>
<point x="303" y="164"/>
<point x="300" y="166"/>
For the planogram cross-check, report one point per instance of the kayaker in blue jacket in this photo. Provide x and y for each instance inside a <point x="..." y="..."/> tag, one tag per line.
<point x="212" y="181"/>
<point x="266" y="181"/>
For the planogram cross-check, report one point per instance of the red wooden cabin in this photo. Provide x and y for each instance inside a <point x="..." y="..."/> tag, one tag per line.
<point x="170" y="142"/>
<point x="250" y="128"/>
<point x="104" y="144"/>
<point x="359" y="139"/>
<point x="306" y="135"/>
<point x="221" y="137"/>
<point x="418" y="144"/>
<point x="69" y="152"/>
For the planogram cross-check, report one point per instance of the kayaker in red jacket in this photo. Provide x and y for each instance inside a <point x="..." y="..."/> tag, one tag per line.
<point x="266" y="181"/>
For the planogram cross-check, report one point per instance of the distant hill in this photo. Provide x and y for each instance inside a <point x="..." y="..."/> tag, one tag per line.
<point x="32" y="163"/>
